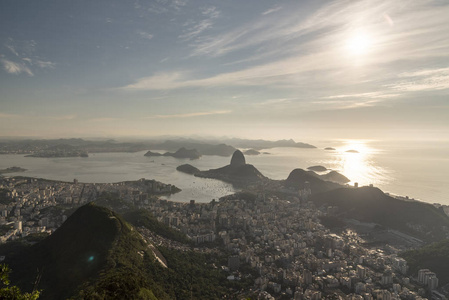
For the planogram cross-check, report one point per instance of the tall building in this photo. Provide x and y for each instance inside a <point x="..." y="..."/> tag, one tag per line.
<point x="307" y="276"/>
<point x="361" y="272"/>
<point x="432" y="282"/>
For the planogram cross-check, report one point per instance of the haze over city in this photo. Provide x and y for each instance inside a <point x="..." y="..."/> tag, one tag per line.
<point x="260" y="69"/>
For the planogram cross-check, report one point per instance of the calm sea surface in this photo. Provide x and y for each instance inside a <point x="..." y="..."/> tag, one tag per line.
<point x="420" y="171"/>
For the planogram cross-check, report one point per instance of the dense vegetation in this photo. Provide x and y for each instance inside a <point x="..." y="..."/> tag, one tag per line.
<point x="434" y="257"/>
<point x="3" y="198"/>
<point x="369" y="204"/>
<point x="144" y="218"/>
<point x="95" y="254"/>
<point x="8" y="291"/>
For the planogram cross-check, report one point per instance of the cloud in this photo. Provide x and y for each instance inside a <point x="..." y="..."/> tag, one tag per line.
<point x="15" y="68"/>
<point x="12" y="49"/>
<point x="271" y="10"/>
<point x="145" y="35"/>
<point x="45" y="64"/>
<point x="24" y="59"/>
<point x="105" y="119"/>
<point x="190" y="115"/>
<point x="423" y="80"/>
<point x="275" y="101"/>
<point x="9" y="116"/>
<point x="161" y="6"/>
<point x="372" y="95"/>
<point x="426" y="22"/>
<point x="195" y="28"/>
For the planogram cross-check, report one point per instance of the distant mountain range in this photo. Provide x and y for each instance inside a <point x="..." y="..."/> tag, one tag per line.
<point x="223" y="147"/>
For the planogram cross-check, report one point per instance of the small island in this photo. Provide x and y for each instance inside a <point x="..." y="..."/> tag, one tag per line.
<point x="352" y="151"/>
<point x="12" y="170"/>
<point x="181" y="153"/>
<point x="251" y="152"/>
<point x="317" y="168"/>
<point x="189" y="169"/>
<point x="334" y="176"/>
<point x="329" y="148"/>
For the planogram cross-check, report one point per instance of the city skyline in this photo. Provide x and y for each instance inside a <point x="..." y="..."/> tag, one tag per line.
<point x="262" y="69"/>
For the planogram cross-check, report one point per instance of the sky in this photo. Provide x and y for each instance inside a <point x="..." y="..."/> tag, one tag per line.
<point x="250" y="69"/>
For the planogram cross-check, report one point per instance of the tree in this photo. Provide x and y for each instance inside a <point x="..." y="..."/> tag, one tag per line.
<point x="9" y="292"/>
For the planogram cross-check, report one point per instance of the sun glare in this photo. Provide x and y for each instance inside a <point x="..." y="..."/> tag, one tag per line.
<point x="358" y="44"/>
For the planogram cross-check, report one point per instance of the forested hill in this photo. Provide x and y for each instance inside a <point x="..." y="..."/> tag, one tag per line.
<point x="369" y="204"/>
<point x="95" y="251"/>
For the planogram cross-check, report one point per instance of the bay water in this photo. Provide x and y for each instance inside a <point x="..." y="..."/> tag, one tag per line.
<point x="414" y="169"/>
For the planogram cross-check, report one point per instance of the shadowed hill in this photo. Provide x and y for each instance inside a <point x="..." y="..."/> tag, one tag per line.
<point x="93" y="241"/>
<point x="298" y="177"/>
<point x="95" y="254"/>
<point x="434" y="257"/>
<point x="368" y="204"/>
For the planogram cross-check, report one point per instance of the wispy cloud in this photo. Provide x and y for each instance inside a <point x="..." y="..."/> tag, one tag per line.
<point x="12" y="49"/>
<point x="160" y="6"/>
<point x="271" y="102"/>
<point x="23" y="59"/>
<point x="195" y="28"/>
<point x="145" y="35"/>
<point x="9" y="116"/>
<point x="190" y="115"/>
<point x="272" y="10"/>
<point x="423" y="80"/>
<point x="348" y="104"/>
<point x="105" y="119"/>
<point x="15" y="68"/>
<point x="45" y="64"/>
<point x="371" y="95"/>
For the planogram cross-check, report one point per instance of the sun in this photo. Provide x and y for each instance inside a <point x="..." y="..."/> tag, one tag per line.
<point x="359" y="43"/>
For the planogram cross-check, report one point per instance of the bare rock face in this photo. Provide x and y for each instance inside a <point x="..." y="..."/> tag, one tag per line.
<point x="238" y="159"/>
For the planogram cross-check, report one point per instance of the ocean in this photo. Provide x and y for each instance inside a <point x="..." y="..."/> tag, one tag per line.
<point x="416" y="170"/>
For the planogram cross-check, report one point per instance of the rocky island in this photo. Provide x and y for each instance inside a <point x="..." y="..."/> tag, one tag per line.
<point x="251" y="152"/>
<point x="237" y="172"/>
<point x="181" y="153"/>
<point x="189" y="169"/>
<point x="317" y="168"/>
<point x="352" y="151"/>
<point x="12" y="170"/>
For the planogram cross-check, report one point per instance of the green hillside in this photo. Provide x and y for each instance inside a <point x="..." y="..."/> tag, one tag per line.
<point x="95" y="254"/>
<point x="434" y="257"/>
<point x="144" y="218"/>
<point x="368" y="204"/>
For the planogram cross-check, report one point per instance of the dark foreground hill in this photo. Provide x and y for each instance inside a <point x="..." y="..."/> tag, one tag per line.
<point x="368" y="204"/>
<point x="95" y="254"/>
<point x="434" y="257"/>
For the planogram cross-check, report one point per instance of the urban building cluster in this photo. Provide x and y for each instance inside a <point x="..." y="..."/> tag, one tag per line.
<point x="278" y="242"/>
<point x="292" y="253"/>
<point x="30" y="205"/>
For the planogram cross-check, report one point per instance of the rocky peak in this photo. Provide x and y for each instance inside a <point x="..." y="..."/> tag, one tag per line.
<point x="238" y="159"/>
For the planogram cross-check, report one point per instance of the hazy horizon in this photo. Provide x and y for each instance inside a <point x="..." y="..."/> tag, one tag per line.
<point x="305" y="70"/>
